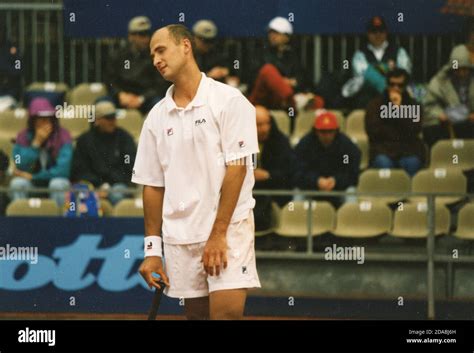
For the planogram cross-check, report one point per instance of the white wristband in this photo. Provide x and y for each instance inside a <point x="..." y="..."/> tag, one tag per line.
<point x="153" y="246"/>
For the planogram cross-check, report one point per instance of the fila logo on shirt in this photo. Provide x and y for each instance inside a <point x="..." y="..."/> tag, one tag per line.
<point x="241" y="144"/>
<point x="199" y="122"/>
<point x="169" y="131"/>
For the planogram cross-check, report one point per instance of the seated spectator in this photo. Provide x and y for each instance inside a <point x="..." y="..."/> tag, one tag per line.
<point x="449" y="101"/>
<point x="104" y="155"/>
<point x="42" y="154"/>
<point x="395" y="142"/>
<point x="277" y="74"/>
<point x="371" y="64"/>
<point x="327" y="159"/>
<point x="10" y="73"/>
<point x="275" y="165"/>
<point x="131" y="78"/>
<point x="210" y="60"/>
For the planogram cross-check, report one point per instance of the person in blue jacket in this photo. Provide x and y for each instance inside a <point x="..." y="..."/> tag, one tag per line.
<point x="327" y="159"/>
<point x="42" y="154"/>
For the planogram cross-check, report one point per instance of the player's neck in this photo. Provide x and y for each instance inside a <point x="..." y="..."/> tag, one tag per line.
<point x="186" y="86"/>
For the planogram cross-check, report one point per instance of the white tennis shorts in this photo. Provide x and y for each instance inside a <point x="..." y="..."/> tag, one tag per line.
<point x="186" y="273"/>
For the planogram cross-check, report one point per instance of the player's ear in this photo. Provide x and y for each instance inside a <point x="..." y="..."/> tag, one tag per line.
<point x="187" y="45"/>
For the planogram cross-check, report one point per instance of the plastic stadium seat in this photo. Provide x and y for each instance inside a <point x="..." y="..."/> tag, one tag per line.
<point x="55" y="92"/>
<point x="86" y="93"/>
<point x="465" y="228"/>
<point x="107" y="208"/>
<point x="12" y="121"/>
<point x="411" y="221"/>
<point x="33" y="207"/>
<point x="76" y="125"/>
<point x="383" y="180"/>
<point x="303" y="124"/>
<point x="275" y="216"/>
<point x="129" y="208"/>
<point x="355" y="123"/>
<point x="453" y="154"/>
<point x="340" y="119"/>
<point x="439" y="180"/>
<point x="48" y="87"/>
<point x="130" y="120"/>
<point x="6" y="144"/>
<point x="282" y="120"/>
<point x="363" y="220"/>
<point x="363" y="143"/>
<point x="293" y="220"/>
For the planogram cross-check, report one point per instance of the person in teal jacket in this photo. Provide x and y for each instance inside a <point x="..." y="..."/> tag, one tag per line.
<point x="42" y="154"/>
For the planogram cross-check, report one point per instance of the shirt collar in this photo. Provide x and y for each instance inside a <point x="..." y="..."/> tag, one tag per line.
<point x="198" y="100"/>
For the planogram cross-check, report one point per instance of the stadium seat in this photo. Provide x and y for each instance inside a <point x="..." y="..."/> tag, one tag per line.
<point x="107" y="208"/>
<point x="275" y="216"/>
<point x="411" y="221"/>
<point x="364" y="219"/>
<point x="6" y="144"/>
<point x="86" y="93"/>
<point x="439" y="180"/>
<point x="453" y="154"/>
<point x="465" y="228"/>
<point x="74" y="124"/>
<point x="293" y="219"/>
<point x="129" y="208"/>
<point x="303" y="124"/>
<point x="355" y="123"/>
<point x="363" y="143"/>
<point x="130" y="120"/>
<point x="383" y="180"/>
<point x="55" y="92"/>
<point x="282" y="120"/>
<point x="33" y="207"/>
<point x="12" y="121"/>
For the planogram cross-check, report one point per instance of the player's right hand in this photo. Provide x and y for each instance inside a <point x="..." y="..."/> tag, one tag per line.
<point x="153" y="264"/>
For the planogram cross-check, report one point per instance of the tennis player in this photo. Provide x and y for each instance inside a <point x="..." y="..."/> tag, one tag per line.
<point x="194" y="159"/>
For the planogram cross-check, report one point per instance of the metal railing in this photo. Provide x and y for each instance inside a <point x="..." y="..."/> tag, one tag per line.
<point x="48" y="55"/>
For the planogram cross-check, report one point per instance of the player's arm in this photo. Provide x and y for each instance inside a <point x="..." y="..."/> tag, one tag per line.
<point x="215" y="252"/>
<point x="153" y="211"/>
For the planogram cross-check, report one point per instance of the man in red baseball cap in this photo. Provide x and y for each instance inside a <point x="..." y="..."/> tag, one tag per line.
<point x="327" y="159"/>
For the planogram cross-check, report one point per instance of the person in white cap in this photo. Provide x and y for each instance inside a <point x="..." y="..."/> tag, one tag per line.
<point x="194" y="159"/>
<point x="277" y="71"/>
<point x="132" y="80"/>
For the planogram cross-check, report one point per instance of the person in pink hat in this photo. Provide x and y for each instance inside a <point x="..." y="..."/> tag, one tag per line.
<point x="42" y="154"/>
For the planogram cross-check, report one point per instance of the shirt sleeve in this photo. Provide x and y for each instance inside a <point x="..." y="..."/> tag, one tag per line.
<point x="147" y="169"/>
<point x="238" y="129"/>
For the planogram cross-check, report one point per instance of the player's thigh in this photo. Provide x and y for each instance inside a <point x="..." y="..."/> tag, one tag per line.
<point x="227" y="304"/>
<point x="196" y="308"/>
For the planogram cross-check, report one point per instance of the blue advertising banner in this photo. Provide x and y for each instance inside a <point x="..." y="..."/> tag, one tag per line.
<point x="74" y="265"/>
<point x="249" y="18"/>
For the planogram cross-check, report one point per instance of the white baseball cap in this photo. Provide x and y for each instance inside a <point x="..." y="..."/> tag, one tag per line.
<point x="281" y="25"/>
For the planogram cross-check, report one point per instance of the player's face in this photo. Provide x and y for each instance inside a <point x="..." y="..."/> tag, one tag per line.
<point x="168" y="56"/>
<point x="263" y="123"/>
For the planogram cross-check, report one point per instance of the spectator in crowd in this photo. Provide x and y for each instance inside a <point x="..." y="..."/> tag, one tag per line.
<point x="104" y="155"/>
<point x="327" y="159"/>
<point x="371" y="64"/>
<point x="210" y="60"/>
<point x="130" y="76"/>
<point x="42" y="153"/>
<point x="4" y="162"/>
<point x="395" y="142"/>
<point x="10" y="72"/>
<point x="449" y="101"/>
<point x="275" y="165"/>
<point x="277" y="75"/>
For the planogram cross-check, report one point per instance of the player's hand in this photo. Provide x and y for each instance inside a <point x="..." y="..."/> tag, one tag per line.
<point x="153" y="264"/>
<point x="214" y="258"/>
<point x="261" y="174"/>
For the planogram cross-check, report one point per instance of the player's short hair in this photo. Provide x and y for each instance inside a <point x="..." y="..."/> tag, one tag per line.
<point x="179" y="32"/>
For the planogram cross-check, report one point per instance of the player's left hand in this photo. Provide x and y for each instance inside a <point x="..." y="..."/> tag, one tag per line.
<point x="215" y="254"/>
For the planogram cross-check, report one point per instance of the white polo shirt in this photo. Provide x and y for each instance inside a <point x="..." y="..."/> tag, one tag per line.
<point x="185" y="150"/>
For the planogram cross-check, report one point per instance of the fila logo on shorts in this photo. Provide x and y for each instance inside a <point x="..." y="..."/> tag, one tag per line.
<point x="169" y="131"/>
<point x="244" y="270"/>
<point x="241" y="144"/>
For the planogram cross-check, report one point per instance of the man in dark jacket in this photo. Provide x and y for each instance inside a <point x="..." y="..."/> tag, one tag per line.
<point x="327" y="159"/>
<point x="104" y="156"/>
<point x="275" y="165"/>
<point x="131" y="78"/>
<point x="393" y="123"/>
